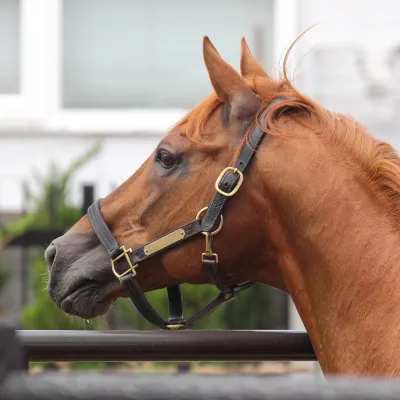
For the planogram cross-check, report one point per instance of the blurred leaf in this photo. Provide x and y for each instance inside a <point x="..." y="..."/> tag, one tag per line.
<point x="49" y="206"/>
<point x="4" y="276"/>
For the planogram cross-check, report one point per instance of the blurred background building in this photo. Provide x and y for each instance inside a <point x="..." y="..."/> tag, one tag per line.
<point x="123" y="71"/>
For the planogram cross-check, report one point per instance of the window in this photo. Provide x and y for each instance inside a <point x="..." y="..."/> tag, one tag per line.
<point x="9" y="47"/>
<point x="122" y="54"/>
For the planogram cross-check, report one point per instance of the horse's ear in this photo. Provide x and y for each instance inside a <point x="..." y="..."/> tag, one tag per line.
<point x="248" y="64"/>
<point x="228" y="84"/>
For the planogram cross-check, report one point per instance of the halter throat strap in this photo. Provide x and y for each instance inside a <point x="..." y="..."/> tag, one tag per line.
<point x="128" y="260"/>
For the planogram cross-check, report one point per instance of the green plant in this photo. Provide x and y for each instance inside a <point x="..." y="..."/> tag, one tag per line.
<point x="49" y="206"/>
<point x="4" y="277"/>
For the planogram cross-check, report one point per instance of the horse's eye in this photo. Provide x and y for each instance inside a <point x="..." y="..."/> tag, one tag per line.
<point x="165" y="158"/>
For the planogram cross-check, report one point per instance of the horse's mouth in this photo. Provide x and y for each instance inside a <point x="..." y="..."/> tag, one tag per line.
<point x="88" y="299"/>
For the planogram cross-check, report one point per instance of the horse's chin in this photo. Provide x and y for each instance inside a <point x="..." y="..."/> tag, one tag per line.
<point x="88" y="300"/>
<point x="83" y="297"/>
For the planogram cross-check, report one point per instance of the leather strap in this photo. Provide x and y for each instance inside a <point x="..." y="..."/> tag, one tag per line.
<point x="222" y="298"/>
<point x="175" y="302"/>
<point x="106" y="238"/>
<point x="210" y="266"/>
<point x="219" y="300"/>
<point x="228" y="184"/>
<point x="230" y="179"/>
<point x="100" y="228"/>
<point x="146" y="309"/>
<point x="191" y="229"/>
<point x="139" y="299"/>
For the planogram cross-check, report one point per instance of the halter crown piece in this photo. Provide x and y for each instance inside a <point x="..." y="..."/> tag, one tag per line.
<point x="128" y="260"/>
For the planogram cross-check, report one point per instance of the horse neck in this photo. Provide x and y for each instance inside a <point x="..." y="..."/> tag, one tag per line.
<point x="338" y="253"/>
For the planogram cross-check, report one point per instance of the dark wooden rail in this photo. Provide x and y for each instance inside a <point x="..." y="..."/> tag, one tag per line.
<point x="165" y="345"/>
<point x="156" y="345"/>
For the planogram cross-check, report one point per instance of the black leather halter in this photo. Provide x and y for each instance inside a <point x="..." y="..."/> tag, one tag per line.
<point x="227" y="184"/>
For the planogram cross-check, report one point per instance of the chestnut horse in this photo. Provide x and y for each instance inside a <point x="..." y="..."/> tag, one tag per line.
<point x="317" y="216"/>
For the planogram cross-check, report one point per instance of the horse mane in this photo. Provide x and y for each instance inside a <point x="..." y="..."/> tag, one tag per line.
<point x="378" y="160"/>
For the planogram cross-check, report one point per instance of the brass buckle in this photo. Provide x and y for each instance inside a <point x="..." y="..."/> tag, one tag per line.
<point x="236" y="188"/>
<point x="125" y="253"/>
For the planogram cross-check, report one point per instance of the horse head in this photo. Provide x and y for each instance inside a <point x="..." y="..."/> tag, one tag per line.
<point x="315" y="213"/>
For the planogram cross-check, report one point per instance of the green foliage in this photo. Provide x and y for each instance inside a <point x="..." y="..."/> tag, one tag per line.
<point x="251" y="310"/>
<point x="48" y="200"/>
<point x="49" y="207"/>
<point x="4" y="276"/>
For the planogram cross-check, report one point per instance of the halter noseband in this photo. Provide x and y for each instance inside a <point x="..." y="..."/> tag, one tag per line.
<point x="227" y="184"/>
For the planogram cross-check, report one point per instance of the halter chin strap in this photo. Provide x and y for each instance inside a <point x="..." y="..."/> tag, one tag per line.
<point x="128" y="260"/>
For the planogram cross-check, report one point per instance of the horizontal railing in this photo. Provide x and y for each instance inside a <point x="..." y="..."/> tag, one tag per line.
<point x="56" y="386"/>
<point x="165" y="345"/>
<point x="156" y="345"/>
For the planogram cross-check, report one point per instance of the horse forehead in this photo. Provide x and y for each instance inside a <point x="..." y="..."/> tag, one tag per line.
<point x="177" y="139"/>
<point x="177" y="135"/>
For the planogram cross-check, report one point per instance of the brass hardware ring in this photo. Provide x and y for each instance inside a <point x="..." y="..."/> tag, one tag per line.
<point x="221" y="222"/>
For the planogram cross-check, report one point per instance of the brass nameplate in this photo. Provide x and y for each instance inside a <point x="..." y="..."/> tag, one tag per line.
<point x="164" y="242"/>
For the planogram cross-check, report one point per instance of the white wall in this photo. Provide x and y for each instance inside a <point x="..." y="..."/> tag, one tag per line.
<point x="345" y="57"/>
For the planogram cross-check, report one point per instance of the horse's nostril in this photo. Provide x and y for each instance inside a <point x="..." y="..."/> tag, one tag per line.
<point x="50" y="255"/>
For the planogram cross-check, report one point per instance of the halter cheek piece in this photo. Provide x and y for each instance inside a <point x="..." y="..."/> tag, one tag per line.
<point x="227" y="184"/>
